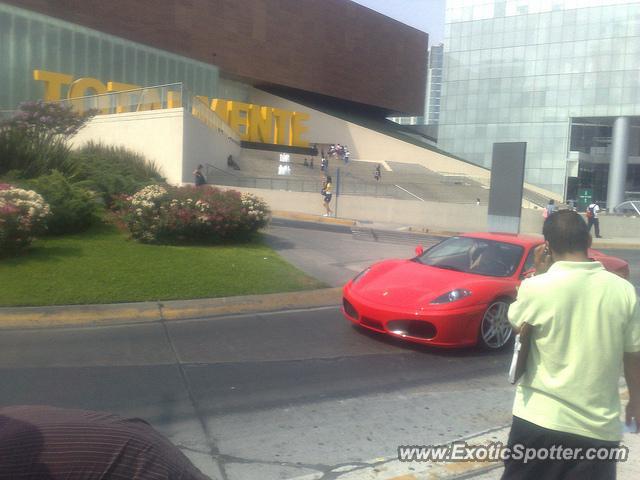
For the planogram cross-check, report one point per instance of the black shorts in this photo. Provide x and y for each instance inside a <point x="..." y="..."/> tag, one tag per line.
<point x="327" y="197"/>
<point x="534" y="436"/>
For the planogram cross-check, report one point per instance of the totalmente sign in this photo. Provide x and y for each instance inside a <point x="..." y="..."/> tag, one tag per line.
<point x="254" y="123"/>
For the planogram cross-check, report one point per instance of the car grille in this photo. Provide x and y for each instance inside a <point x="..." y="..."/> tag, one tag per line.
<point x="413" y="328"/>
<point x="349" y="309"/>
<point x="371" y="323"/>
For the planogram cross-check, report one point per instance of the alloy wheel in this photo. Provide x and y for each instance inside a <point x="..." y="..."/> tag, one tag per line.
<point x="495" y="329"/>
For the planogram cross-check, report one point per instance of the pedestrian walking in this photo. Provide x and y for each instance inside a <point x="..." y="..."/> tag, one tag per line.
<point x="198" y="176"/>
<point x="568" y="396"/>
<point x="377" y="173"/>
<point x="592" y="218"/>
<point x="327" y="190"/>
<point x="550" y="208"/>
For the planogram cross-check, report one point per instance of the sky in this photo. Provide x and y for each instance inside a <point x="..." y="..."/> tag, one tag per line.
<point x="425" y="15"/>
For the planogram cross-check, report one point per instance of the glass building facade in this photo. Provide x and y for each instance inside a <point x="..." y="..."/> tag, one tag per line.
<point x="525" y="70"/>
<point x="434" y="85"/>
<point x="30" y="41"/>
<point x="432" y="95"/>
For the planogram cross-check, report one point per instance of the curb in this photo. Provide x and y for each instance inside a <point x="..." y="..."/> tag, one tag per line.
<point x="616" y="246"/>
<point x="306" y="217"/>
<point x="149" y="312"/>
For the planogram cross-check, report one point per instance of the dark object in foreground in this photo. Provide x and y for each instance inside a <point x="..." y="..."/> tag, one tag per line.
<point x="41" y="442"/>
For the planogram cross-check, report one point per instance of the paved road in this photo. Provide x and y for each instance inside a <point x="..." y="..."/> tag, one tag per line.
<point x="262" y="396"/>
<point x="268" y="396"/>
<point x="332" y="257"/>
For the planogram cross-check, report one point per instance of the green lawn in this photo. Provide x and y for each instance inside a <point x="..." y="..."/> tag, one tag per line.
<point x="103" y="266"/>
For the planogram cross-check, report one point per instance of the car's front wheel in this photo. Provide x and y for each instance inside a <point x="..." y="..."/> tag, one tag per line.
<point x="495" y="329"/>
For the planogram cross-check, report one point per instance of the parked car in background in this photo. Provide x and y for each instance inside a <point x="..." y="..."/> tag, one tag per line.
<point x="628" y="208"/>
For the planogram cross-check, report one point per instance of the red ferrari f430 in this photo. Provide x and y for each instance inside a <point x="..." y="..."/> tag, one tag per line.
<point x="455" y="294"/>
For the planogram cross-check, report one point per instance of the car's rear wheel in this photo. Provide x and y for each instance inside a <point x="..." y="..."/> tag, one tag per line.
<point x="495" y="329"/>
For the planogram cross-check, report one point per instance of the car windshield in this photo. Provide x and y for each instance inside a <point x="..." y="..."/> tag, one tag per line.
<point x="474" y="255"/>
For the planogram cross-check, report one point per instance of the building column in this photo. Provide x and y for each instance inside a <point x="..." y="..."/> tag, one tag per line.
<point x="618" y="164"/>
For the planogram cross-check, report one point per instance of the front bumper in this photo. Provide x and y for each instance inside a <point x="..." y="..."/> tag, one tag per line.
<point x="439" y="327"/>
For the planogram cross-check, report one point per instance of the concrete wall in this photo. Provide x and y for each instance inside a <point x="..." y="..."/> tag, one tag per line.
<point x="204" y="146"/>
<point x="427" y="215"/>
<point x="172" y="138"/>
<point x="157" y="134"/>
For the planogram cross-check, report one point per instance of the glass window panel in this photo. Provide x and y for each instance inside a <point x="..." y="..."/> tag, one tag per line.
<point x="129" y="62"/>
<point x="65" y="51"/>
<point x="80" y="54"/>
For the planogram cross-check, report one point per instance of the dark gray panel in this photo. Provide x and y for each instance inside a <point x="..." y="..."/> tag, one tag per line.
<point x="507" y="177"/>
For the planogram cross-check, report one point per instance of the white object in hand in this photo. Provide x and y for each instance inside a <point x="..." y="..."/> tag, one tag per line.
<point x="631" y="427"/>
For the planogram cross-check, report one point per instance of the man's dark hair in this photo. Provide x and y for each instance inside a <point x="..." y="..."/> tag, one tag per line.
<point x="566" y="232"/>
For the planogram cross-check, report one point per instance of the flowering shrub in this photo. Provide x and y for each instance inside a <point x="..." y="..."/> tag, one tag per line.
<point x="54" y="118"/>
<point x="163" y="214"/>
<point x="22" y="215"/>
<point x="34" y="141"/>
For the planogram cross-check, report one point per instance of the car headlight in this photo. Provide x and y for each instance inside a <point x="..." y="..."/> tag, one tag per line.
<point x="359" y="276"/>
<point x="452" y="296"/>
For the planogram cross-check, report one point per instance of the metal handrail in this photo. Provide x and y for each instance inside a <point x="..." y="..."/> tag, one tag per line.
<point x="118" y="92"/>
<point x="209" y="166"/>
<point x="191" y="103"/>
<point x="200" y="109"/>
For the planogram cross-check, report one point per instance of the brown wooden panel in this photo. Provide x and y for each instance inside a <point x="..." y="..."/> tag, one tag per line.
<point x="332" y="47"/>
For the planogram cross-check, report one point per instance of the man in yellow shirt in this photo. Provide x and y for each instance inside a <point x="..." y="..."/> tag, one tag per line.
<point x="585" y="324"/>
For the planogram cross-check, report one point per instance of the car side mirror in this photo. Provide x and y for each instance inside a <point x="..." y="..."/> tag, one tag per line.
<point x="419" y="250"/>
<point x="528" y="273"/>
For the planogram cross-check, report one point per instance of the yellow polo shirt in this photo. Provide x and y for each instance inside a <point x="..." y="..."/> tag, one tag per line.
<point x="584" y="318"/>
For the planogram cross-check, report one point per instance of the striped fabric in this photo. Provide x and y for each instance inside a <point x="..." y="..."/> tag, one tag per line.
<point x="47" y="443"/>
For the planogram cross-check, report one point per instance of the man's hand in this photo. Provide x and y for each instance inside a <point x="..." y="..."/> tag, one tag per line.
<point x="541" y="260"/>
<point x="632" y="412"/>
<point x="631" y="362"/>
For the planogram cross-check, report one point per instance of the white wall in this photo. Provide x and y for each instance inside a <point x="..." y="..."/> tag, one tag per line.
<point x="205" y="146"/>
<point x="157" y="134"/>
<point x="172" y="138"/>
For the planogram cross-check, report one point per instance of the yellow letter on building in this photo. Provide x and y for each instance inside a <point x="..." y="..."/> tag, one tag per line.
<point x="298" y="128"/>
<point x="80" y="86"/>
<point x="239" y="118"/>
<point x="261" y="124"/>
<point x="52" y="83"/>
<point x="222" y="108"/>
<point x="79" y="89"/>
<point x="283" y="132"/>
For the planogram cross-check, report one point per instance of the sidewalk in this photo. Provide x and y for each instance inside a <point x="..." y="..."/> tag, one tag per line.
<point x="412" y="230"/>
<point x="393" y="469"/>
